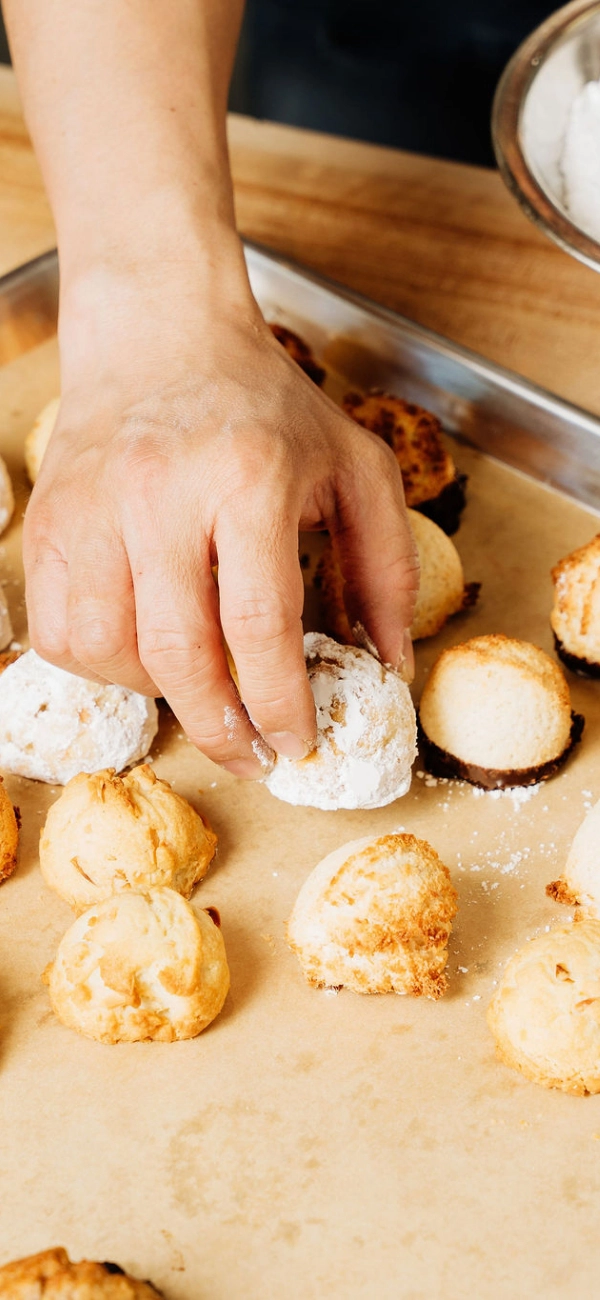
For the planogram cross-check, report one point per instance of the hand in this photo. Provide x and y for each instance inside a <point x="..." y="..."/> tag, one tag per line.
<point x="186" y="437"/>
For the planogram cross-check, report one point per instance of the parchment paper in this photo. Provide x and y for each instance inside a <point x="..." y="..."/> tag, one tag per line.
<point x="313" y="1145"/>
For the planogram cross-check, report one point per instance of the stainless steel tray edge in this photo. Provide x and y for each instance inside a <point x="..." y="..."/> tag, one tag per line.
<point x="488" y="406"/>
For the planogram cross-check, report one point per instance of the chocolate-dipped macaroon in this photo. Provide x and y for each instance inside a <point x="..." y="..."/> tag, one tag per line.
<point x="432" y="483"/>
<point x="496" y="711"/>
<point x="575" y="617"/>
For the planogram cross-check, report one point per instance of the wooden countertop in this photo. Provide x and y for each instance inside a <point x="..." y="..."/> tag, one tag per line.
<point x="441" y="242"/>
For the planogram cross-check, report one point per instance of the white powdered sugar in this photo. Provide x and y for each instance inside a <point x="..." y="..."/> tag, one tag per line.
<point x="366" y="733"/>
<point x="580" y="161"/>
<point x="54" y="725"/>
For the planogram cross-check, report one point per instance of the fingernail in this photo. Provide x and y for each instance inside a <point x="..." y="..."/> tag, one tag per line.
<point x="248" y="768"/>
<point x="287" y="744"/>
<point x="406" y="660"/>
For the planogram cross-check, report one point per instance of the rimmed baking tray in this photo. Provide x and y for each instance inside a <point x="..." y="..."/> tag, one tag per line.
<point x="309" y="1144"/>
<point x="490" y="407"/>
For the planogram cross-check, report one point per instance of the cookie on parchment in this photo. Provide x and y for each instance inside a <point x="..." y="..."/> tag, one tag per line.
<point x="545" y="1013"/>
<point x="107" y="832"/>
<point x="51" y="1276"/>
<point x="375" y="916"/>
<point x="139" y="965"/>
<point x="39" y="436"/>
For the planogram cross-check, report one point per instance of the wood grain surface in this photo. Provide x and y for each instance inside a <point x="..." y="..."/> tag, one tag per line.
<point x="441" y="242"/>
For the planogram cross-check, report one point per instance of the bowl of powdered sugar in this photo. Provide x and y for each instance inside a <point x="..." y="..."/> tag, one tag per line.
<point x="546" y="128"/>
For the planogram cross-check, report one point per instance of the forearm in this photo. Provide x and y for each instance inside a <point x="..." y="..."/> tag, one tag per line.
<point x="126" y="103"/>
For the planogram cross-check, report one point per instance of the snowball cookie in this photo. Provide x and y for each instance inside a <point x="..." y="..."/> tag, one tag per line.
<point x="140" y="964"/>
<point x="579" y="883"/>
<point x="7" y="499"/>
<point x="496" y="712"/>
<point x="6" y="631"/>
<point x="52" y="1276"/>
<point x="9" y="835"/>
<point x="375" y="916"/>
<point x="38" y="438"/>
<point x="107" y="833"/>
<point x="54" y="725"/>
<point x="545" y="1013"/>
<point x="575" y="617"/>
<point x="366" y="733"/>
<point x="442" y="591"/>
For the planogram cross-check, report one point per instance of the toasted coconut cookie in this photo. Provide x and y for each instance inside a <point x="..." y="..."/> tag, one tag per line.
<point x="375" y="916"/>
<point x="579" y="884"/>
<point x="431" y="481"/>
<point x="51" y="1276"/>
<point x="54" y="725"/>
<point x="575" y="617"/>
<point x="7" y="499"/>
<point x="545" y="1013"/>
<point x="366" y="733"/>
<point x="107" y="833"/>
<point x="442" y="590"/>
<point x="39" y="436"/>
<point x="139" y="965"/>
<point x="9" y="835"/>
<point x="300" y="352"/>
<point x="496" y="712"/>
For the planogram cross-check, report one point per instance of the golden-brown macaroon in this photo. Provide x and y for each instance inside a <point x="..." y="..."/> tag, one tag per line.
<point x="300" y="352"/>
<point x="431" y="481"/>
<point x="52" y="1276"/>
<point x="496" y="711"/>
<point x="579" y="883"/>
<point x="107" y="832"/>
<point x="575" y="617"/>
<point x="139" y="965"/>
<point x="9" y="834"/>
<point x="375" y="916"/>
<point x="39" y="436"/>
<point x="442" y="589"/>
<point x="545" y="1013"/>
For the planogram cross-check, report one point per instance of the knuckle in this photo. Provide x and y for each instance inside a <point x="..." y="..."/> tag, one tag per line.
<point x="49" y="643"/>
<point x="96" y="640"/>
<point x="256" y="621"/>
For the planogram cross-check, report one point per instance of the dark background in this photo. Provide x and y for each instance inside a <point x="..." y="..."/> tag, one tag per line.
<point x="417" y="74"/>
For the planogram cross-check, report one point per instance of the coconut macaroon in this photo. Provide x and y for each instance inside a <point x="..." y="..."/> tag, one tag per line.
<point x="38" y="438"/>
<point x="139" y="965"/>
<point x="108" y="832"/>
<point x="496" y="712"/>
<point x="366" y="733"/>
<point x="54" y="725"/>
<point x="53" y="1275"/>
<point x="579" y="883"/>
<point x="431" y="481"/>
<point x="9" y="834"/>
<point x="575" y="617"/>
<point x="7" y="497"/>
<point x="545" y="1012"/>
<point x="442" y="589"/>
<point x="375" y="916"/>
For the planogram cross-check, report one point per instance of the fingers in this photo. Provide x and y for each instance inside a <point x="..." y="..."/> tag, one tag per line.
<point x="377" y="555"/>
<point x="261" y="599"/>
<point x="81" y="611"/>
<point x="181" y="648"/>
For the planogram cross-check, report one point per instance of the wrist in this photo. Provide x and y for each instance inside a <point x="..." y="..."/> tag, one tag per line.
<point x="127" y="295"/>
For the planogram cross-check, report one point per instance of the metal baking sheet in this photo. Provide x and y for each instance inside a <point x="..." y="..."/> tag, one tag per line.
<point x="484" y="404"/>
<point x="309" y="1144"/>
